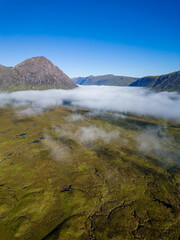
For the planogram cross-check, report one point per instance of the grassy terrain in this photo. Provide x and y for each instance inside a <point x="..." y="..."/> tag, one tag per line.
<point x="72" y="174"/>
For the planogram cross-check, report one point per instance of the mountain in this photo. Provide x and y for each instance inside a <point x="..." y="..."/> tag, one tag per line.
<point x="167" y="82"/>
<point x="109" y="80"/>
<point x="34" y="73"/>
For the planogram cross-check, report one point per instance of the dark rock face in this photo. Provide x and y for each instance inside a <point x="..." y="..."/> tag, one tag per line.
<point x="168" y="82"/>
<point x="34" y="73"/>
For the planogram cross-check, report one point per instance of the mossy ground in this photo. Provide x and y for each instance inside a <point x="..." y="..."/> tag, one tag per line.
<point x="100" y="190"/>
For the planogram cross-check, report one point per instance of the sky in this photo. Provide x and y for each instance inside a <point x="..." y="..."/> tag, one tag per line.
<point x="93" y="37"/>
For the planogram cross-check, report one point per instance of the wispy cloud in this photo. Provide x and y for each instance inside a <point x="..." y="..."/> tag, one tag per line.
<point x="74" y="118"/>
<point x="162" y="146"/>
<point x="87" y="134"/>
<point x="58" y="151"/>
<point x="92" y="133"/>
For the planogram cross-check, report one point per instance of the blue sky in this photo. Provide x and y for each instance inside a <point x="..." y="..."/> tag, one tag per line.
<point x="84" y="37"/>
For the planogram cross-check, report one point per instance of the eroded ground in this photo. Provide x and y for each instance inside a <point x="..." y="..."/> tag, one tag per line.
<point x="74" y="174"/>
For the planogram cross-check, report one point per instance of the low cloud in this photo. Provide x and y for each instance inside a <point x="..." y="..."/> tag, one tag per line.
<point x="74" y="118"/>
<point x="87" y="134"/>
<point x="148" y="142"/>
<point x="161" y="144"/>
<point x="106" y="98"/>
<point x="59" y="151"/>
<point x="30" y="111"/>
<point x="92" y="133"/>
<point x="105" y="114"/>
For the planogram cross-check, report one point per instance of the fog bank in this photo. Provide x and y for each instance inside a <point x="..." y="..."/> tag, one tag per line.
<point x="107" y="98"/>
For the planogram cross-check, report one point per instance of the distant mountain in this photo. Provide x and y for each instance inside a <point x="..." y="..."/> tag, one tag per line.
<point x="167" y="82"/>
<point x="109" y="80"/>
<point x="34" y="73"/>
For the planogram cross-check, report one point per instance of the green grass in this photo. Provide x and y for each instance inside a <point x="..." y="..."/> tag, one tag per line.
<point x="117" y="191"/>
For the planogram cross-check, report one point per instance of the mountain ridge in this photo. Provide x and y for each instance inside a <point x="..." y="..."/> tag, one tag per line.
<point x="34" y="73"/>
<point x="165" y="82"/>
<point x="41" y="73"/>
<point x="108" y="80"/>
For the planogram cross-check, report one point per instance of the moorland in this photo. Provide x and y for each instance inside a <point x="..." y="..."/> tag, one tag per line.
<point x="74" y="173"/>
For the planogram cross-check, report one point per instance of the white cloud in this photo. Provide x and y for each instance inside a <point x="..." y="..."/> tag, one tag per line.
<point x="86" y="134"/>
<point x="149" y="142"/>
<point x="107" y="98"/>
<point x="59" y="151"/>
<point x="93" y="133"/>
<point x="74" y="118"/>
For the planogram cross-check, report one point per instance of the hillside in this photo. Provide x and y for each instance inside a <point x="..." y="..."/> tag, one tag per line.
<point x="167" y="82"/>
<point x="34" y="73"/>
<point x="109" y="80"/>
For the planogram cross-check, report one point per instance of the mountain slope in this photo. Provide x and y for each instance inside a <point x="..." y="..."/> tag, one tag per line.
<point x="167" y="82"/>
<point x="34" y="73"/>
<point x="109" y="80"/>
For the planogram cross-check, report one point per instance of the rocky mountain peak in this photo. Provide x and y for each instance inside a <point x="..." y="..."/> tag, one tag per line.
<point x="35" y="73"/>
